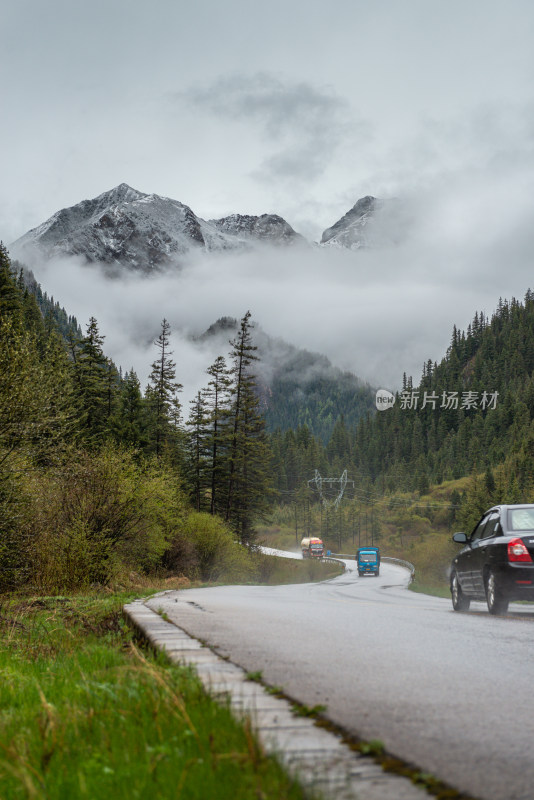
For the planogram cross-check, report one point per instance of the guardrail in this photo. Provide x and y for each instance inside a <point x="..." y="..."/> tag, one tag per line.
<point x="334" y="561"/>
<point x="398" y="561"/>
<point x="401" y="563"/>
<point x="283" y="554"/>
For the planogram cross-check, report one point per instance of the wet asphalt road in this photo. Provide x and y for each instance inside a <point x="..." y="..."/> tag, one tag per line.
<point x="451" y="693"/>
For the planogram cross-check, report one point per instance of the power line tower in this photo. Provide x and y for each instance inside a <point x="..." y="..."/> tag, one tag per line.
<point x="331" y="491"/>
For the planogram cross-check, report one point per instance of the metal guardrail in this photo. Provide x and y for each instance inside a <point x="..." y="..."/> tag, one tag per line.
<point x="401" y="563"/>
<point x="398" y="561"/>
<point x="343" y="555"/>
<point x="334" y="561"/>
<point x="283" y="554"/>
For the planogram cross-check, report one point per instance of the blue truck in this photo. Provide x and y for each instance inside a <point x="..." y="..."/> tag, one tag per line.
<point x="368" y="560"/>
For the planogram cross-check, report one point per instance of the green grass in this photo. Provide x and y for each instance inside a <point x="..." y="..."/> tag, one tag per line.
<point x="301" y="710"/>
<point x="415" y="528"/>
<point x="274" y="570"/>
<point x="432" y="589"/>
<point x="85" y="713"/>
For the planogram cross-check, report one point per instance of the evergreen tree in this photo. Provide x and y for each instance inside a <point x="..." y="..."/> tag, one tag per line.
<point x="198" y="450"/>
<point x="161" y="395"/>
<point x="217" y="398"/>
<point x="63" y="416"/>
<point x="112" y="392"/>
<point x="10" y="295"/>
<point x="250" y="469"/>
<point x="91" y="367"/>
<point x="130" y="420"/>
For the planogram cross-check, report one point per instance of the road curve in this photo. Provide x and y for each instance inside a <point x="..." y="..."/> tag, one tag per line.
<point x="451" y="693"/>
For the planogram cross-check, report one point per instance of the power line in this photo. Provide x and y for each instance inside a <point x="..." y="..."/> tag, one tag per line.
<point x="363" y="495"/>
<point x="329" y="483"/>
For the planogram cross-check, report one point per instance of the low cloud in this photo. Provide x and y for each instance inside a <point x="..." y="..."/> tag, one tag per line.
<point x="377" y="313"/>
<point x="463" y="239"/>
<point x="303" y="124"/>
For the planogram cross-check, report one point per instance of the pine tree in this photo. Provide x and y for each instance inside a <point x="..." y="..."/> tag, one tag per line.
<point x="198" y="450"/>
<point x="130" y="424"/>
<point x="250" y="470"/>
<point x="112" y="392"/>
<point x="92" y="382"/>
<point x="10" y="295"/>
<point x="63" y="414"/>
<point x="162" y="393"/>
<point x="217" y="398"/>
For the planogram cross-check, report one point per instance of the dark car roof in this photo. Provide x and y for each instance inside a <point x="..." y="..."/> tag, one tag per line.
<point x="505" y="520"/>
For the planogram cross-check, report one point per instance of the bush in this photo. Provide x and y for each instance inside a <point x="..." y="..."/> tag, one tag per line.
<point x="218" y="556"/>
<point x="98" y="513"/>
<point x="15" y="538"/>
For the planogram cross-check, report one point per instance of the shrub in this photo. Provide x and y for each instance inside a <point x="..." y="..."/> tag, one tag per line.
<point x="218" y="556"/>
<point x="98" y="512"/>
<point x="15" y="538"/>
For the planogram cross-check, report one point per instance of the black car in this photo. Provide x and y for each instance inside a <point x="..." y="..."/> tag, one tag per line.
<point x="497" y="562"/>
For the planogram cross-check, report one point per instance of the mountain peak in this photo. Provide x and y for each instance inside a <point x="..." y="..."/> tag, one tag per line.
<point x="348" y="231"/>
<point x="125" y="228"/>
<point x="371" y="223"/>
<point x="123" y="193"/>
<point x="267" y="227"/>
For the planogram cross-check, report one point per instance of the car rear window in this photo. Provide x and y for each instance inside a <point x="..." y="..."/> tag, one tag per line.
<point x="521" y="519"/>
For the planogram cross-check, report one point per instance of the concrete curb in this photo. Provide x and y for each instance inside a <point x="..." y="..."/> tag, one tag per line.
<point x="316" y="756"/>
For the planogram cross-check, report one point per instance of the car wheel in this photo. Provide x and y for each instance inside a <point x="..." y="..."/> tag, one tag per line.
<point x="497" y="603"/>
<point x="459" y="601"/>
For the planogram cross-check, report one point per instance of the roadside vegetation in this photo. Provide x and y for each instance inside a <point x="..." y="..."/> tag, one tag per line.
<point x="85" y="713"/>
<point x="413" y="526"/>
<point x="276" y="570"/>
<point x="99" y="478"/>
<point x="106" y="492"/>
<point x="409" y="526"/>
<point x="106" y="487"/>
<point x="452" y="445"/>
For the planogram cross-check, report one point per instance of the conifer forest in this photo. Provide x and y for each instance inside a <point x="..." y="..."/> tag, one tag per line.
<point x="100" y="476"/>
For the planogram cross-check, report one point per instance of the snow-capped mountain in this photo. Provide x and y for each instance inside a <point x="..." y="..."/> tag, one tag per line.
<point x="370" y="223"/>
<point x="267" y="227"/>
<point x="350" y="231"/>
<point x="127" y="228"/>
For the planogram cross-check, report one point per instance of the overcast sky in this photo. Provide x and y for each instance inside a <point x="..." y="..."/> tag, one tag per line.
<point x="295" y="108"/>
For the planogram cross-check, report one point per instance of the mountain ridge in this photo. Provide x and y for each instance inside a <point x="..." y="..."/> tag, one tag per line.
<point x="124" y="228"/>
<point x="298" y="387"/>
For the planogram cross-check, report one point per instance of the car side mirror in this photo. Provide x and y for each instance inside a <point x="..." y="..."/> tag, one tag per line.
<point x="459" y="538"/>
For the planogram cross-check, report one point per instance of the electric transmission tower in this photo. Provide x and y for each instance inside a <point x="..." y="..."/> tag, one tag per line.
<point x="330" y="490"/>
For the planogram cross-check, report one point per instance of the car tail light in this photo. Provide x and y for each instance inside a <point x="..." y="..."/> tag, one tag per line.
<point x="518" y="552"/>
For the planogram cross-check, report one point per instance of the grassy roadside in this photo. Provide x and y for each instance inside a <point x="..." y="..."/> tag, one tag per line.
<point x="84" y="713"/>
<point x="405" y="525"/>
<point x="426" y="588"/>
<point x="274" y="570"/>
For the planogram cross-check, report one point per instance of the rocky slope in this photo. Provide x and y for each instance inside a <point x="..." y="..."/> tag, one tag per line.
<point x="269" y="228"/>
<point x="370" y="223"/>
<point x="124" y="228"/>
<point x="127" y="229"/>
